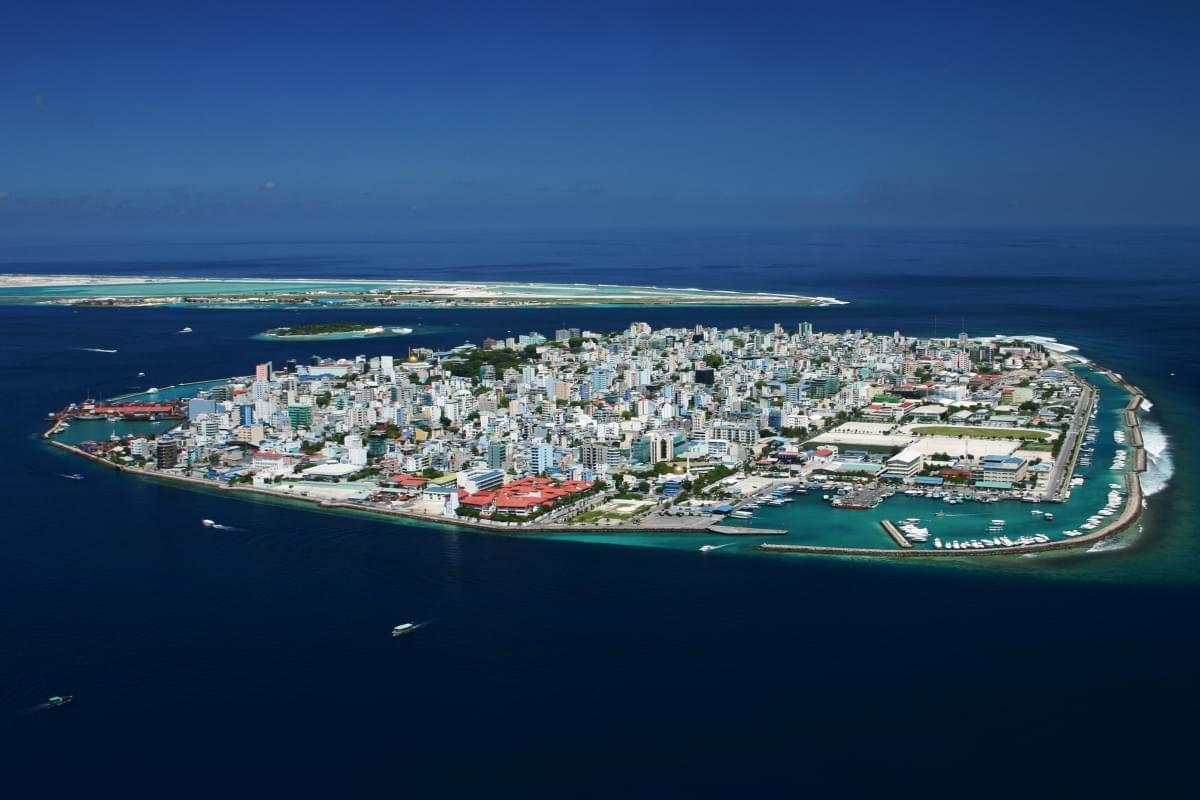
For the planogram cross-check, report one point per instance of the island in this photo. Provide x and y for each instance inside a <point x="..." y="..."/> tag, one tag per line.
<point x="776" y="441"/>
<point x="318" y="331"/>
<point x="146" y="291"/>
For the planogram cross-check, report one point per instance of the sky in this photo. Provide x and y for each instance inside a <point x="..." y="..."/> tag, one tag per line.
<point x="184" y="116"/>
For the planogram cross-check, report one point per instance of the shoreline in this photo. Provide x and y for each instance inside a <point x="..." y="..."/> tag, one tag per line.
<point x="1129" y="514"/>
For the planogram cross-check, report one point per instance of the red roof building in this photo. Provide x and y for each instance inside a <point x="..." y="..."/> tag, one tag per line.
<point x="523" y="496"/>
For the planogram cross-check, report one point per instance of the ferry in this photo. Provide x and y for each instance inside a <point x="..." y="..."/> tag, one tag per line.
<point x="404" y="629"/>
<point x="741" y="514"/>
<point x="60" y="700"/>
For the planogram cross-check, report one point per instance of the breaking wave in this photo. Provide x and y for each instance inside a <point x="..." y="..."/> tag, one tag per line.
<point x="1160" y="467"/>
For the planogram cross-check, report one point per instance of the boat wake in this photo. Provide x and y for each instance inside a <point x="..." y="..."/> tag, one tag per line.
<point x="216" y="526"/>
<point x="95" y="349"/>
<point x="1160" y="466"/>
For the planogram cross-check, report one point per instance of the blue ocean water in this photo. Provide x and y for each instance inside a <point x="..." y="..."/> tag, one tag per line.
<point x="261" y="655"/>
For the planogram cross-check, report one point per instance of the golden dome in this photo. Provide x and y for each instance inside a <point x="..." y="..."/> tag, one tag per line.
<point x="679" y="470"/>
<point x="412" y="358"/>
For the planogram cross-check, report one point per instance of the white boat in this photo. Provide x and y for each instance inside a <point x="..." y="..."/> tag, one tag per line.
<point x="185" y="330"/>
<point x="708" y="548"/>
<point x="208" y="523"/>
<point x="404" y="629"/>
<point x="741" y="514"/>
<point x="402" y="330"/>
<point x="75" y="476"/>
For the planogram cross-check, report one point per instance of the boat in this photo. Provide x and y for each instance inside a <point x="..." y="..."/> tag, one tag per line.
<point x="404" y="629"/>
<point x="185" y="330"/>
<point x="60" y="700"/>
<point x="1048" y="516"/>
<point x="208" y="523"/>
<point x="75" y="476"/>
<point x="402" y="331"/>
<point x="741" y="514"/>
<point x="141" y="374"/>
<point x="708" y="548"/>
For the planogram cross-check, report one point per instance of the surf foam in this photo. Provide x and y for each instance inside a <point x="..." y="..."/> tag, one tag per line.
<point x="1160" y="467"/>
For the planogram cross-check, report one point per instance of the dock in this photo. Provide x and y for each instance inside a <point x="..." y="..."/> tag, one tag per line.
<point x="895" y="534"/>
<point x="735" y="530"/>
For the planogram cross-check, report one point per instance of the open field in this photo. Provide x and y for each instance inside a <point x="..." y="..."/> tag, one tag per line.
<point x="981" y="433"/>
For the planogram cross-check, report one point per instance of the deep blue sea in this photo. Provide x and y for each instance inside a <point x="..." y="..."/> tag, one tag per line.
<point x="260" y="658"/>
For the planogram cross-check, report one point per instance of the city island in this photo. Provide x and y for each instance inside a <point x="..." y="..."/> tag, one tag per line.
<point x="140" y="292"/>
<point x="839" y="443"/>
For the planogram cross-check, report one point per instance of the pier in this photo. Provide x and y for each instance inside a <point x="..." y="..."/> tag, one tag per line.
<point x="895" y="534"/>
<point x="735" y="530"/>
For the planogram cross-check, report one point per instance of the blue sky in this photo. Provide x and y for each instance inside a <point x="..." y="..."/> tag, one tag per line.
<point x="212" y="116"/>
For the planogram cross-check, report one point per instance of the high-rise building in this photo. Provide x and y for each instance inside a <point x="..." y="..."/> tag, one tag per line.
<point x="262" y="372"/>
<point x="497" y="455"/>
<point x="541" y="458"/>
<point x="166" y="452"/>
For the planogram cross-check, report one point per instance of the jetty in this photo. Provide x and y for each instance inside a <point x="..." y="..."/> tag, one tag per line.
<point x="736" y="530"/>
<point x="893" y="532"/>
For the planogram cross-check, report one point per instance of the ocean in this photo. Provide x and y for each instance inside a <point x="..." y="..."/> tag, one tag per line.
<point x="261" y="657"/>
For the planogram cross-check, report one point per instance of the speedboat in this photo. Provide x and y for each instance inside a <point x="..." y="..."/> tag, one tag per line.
<point x="208" y="523"/>
<point x="75" y="476"/>
<point x="404" y="629"/>
<point x="185" y="330"/>
<point x="60" y="700"/>
<point x="708" y="548"/>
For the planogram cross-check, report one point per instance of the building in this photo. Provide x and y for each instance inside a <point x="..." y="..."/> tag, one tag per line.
<point x="479" y="480"/>
<point x="905" y="464"/>
<point x="1000" y="469"/>
<point x="166" y="453"/>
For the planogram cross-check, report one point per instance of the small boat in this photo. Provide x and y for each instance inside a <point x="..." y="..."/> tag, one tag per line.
<point x="402" y="331"/>
<point x="708" y="548"/>
<point x="74" y="476"/>
<point x="404" y="629"/>
<point x="208" y="523"/>
<point x="185" y="330"/>
<point x="1048" y="517"/>
<point x="60" y="700"/>
<point x="141" y="374"/>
